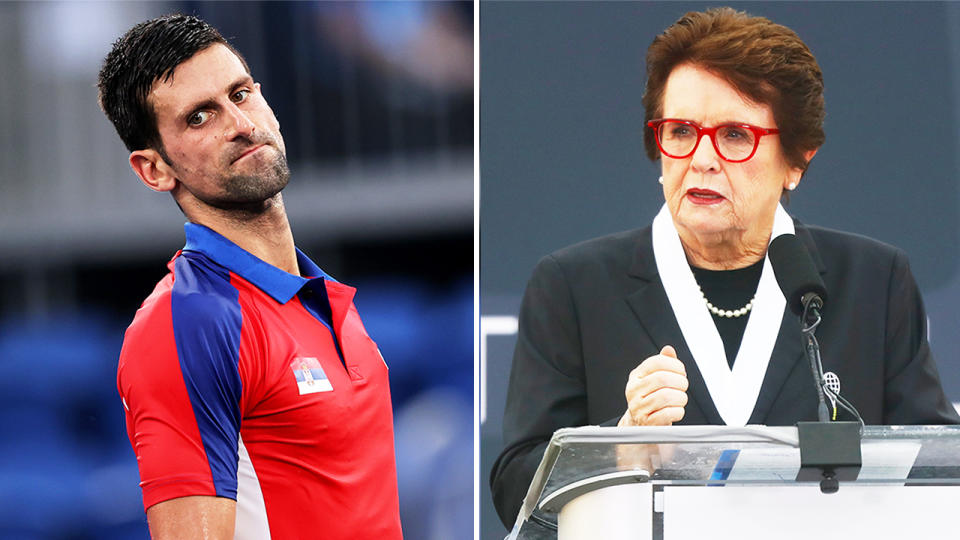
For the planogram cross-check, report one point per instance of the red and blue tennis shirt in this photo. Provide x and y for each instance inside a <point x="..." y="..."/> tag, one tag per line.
<point x="240" y="380"/>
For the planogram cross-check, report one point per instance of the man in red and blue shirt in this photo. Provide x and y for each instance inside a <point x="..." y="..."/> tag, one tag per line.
<point x="256" y="403"/>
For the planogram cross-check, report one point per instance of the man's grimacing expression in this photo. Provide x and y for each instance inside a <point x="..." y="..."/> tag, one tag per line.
<point x="220" y="135"/>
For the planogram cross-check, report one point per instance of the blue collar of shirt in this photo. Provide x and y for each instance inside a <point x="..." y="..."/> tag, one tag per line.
<point x="280" y="285"/>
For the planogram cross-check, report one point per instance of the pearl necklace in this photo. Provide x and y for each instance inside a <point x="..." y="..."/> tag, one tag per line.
<point x="726" y="312"/>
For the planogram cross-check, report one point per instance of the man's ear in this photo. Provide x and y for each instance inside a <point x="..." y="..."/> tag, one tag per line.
<point x="153" y="171"/>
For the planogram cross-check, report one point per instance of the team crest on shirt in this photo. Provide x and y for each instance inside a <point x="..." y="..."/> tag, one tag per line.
<point x="310" y="376"/>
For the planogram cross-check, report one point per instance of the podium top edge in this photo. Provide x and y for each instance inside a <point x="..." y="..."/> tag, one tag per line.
<point x="786" y="435"/>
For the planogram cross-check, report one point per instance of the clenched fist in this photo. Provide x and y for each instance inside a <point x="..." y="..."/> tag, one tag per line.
<point x="656" y="391"/>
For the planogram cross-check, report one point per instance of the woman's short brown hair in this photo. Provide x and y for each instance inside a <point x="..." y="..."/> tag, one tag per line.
<point x="764" y="61"/>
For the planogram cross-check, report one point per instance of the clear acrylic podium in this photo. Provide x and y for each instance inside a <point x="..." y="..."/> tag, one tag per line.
<point x="682" y="482"/>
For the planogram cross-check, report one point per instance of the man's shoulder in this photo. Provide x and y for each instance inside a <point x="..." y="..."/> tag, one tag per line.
<point x="193" y="314"/>
<point x="197" y="293"/>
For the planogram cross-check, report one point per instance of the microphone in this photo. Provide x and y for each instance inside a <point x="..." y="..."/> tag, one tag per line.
<point x="804" y="290"/>
<point x="829" y="451"/>
<point x="831" y="384"/>
<point x="797" y="275"/>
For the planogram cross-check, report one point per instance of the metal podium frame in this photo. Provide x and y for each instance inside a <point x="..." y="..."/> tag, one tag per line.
<point x="584" y="460"/>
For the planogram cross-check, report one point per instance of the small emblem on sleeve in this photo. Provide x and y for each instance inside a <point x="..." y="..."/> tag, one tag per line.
<point x="310" y="376"/>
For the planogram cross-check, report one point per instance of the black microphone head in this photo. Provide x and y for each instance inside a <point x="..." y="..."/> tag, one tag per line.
<point x="796" y="274"/>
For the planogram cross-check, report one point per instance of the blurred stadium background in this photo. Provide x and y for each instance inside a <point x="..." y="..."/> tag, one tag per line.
<point x="376" y="106"/>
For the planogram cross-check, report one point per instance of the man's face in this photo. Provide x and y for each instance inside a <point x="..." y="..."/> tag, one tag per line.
<point x="222" y="140"/>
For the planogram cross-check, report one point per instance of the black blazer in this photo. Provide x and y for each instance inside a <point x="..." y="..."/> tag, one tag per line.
<point x="593" y="311"/>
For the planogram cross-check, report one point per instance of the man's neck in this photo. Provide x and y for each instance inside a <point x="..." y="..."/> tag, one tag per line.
<point x="266" y="235"/>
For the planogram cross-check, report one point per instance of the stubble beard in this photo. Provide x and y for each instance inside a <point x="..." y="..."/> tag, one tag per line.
<point x="253" y="193"/>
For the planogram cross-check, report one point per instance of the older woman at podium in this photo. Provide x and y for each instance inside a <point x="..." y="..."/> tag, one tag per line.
<point x="683" y="321"/>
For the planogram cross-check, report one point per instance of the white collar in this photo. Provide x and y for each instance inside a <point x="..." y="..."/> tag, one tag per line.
<point x="734" y="392"/>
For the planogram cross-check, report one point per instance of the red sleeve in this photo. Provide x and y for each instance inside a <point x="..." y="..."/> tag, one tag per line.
<point x="160" y="419"/>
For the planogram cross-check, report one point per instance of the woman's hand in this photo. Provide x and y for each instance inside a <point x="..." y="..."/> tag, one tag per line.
<point x="656" y="391"/>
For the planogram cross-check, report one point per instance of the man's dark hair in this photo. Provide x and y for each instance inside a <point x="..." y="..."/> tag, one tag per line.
<point x="149" y="52"/>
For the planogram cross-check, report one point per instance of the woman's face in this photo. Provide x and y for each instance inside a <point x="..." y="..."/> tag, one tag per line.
<point x="716" y="201"/>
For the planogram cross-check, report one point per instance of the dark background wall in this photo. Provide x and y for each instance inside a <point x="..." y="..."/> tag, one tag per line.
<point x="562" y="151"/>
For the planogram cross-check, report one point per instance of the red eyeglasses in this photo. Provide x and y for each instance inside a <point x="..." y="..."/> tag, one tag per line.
<point x="733" y="142"/>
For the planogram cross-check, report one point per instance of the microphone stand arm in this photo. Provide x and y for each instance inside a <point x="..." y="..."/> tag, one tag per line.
<point x="812" y="320"/>
<point x="829" y="451"/>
